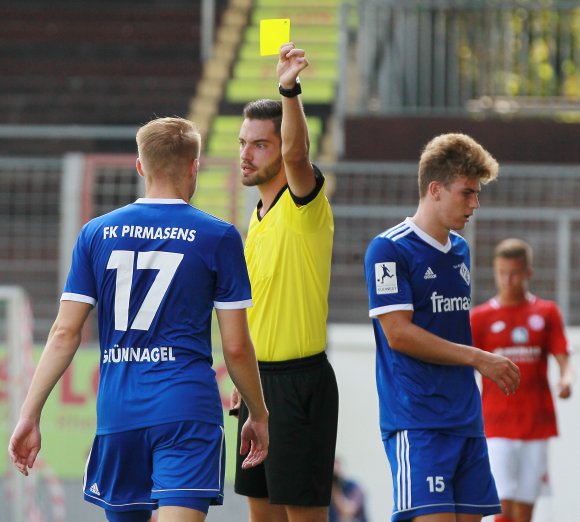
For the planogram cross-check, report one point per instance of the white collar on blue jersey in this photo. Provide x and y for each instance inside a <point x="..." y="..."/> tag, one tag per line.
<point x="161" y="201"/>
<point x="428" y="239"/>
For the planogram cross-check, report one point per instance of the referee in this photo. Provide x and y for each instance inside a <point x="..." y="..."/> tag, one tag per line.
<point x="288" y="252"/>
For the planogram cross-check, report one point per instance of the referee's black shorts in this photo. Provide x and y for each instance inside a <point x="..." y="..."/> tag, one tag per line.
<point x="302" y="398"/>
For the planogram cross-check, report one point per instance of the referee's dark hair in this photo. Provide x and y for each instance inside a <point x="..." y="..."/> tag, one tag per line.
<point x="265" y="110"/>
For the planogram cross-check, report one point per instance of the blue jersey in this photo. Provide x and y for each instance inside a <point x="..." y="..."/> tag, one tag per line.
<point x="157" y="268"/>
<point x="406" y="269"/>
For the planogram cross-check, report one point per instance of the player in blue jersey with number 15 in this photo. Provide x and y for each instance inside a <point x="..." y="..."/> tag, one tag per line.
<point x="155" y="269"/>
<point x="418" y="281"/>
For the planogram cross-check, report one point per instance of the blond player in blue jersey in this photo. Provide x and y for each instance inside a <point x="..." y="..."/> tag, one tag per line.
<point x="155" y="269"/>
<point x="288" y="251"/>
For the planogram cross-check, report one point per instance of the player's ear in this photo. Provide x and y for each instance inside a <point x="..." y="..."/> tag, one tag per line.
<point x="139" y="168"/>
<point x="434" y="190"/>
<point x="194" y="167"/>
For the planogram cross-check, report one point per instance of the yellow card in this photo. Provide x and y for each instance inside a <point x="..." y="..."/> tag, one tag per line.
<point x="273" y="33"/>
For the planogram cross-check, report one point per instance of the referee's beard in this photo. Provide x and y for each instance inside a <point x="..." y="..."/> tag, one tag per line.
<point x="263" y="174"/>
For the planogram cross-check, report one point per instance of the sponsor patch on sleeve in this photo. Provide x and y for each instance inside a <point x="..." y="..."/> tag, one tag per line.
<point x="386" y="278"/>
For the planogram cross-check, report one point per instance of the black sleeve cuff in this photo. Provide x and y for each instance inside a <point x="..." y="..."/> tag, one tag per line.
<point x="307" y="199"/>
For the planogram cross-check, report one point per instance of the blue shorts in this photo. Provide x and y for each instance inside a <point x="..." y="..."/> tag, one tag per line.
<point x="173" y="464"/>
<point x="435" y="472"/>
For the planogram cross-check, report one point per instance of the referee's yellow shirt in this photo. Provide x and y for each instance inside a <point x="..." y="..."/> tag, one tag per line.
<point x="288" y="253"/>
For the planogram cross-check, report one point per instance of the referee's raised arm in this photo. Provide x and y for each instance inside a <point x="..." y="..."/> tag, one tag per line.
<point x="294" y="129"/>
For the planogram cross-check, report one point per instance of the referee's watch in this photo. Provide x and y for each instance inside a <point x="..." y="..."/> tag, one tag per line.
<point x="291" y="93"/>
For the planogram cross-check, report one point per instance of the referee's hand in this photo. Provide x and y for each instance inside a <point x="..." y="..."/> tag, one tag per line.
<point x="291" y="61"/>
<point x="255" y="438"/>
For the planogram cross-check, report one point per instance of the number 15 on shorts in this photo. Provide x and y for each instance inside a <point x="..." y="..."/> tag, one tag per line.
<point x="436" y="484"/>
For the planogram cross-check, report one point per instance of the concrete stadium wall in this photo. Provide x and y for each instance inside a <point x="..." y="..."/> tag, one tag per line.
<point x="513" y="140"/>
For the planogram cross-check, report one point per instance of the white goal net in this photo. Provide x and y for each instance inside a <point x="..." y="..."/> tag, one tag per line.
<point x="37" y="498"/>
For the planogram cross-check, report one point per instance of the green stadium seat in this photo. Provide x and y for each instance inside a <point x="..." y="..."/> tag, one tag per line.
<point x="242" y="91"/>
<point x="328" y="4"/>
<point x="212" y="177"/>
<point x="251" y="51"/>
<point x="314" y="125"/>
<point x="214" y="195"/>
<point x="227" y="124"/>
<point x="222" y="150"/>
<point x="320" y="69"/>
<point x="223" y="143"/>
<point x="304" y="15"/>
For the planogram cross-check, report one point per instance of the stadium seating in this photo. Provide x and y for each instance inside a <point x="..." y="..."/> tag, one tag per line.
<point x="98" y="63"/>
<point x="314" y="25"/>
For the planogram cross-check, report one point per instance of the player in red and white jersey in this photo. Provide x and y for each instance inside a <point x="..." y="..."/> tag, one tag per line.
<point x="526" y="329"/>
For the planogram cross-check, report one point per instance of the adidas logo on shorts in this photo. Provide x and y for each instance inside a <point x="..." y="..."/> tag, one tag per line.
<point x="95" y="489"/>
<point x="429" y="274"/>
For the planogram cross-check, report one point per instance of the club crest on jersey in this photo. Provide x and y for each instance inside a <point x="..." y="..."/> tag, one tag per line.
<point x="386" y="278"/>
<point x="464" y="272"/>
<point x="520" y="335"/>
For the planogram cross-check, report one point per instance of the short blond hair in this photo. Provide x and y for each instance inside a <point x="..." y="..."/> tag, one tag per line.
<point x="448" y="156"/>
<point x="168" y="145"/>
<point x="513" y="248"/>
